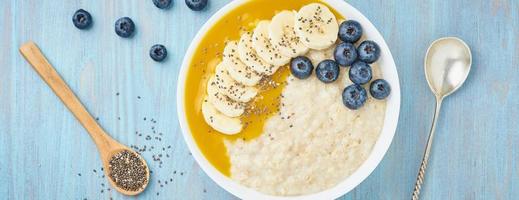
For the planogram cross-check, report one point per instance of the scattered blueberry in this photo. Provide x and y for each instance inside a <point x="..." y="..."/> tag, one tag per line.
<point x="158" y="52"/>
<point x="82" y="19"/>
<point x="360" y="73"/>
<point x="124" y="27"/>
<point x="350" y="31"/>
<point x="345" y="54"/>
<point x="196" y="5"/>
<point x="162" y="4"/>
<point x="354" y="96"/>
<point x="301" y="67"/>
<point x="327" y="71"/>
<point x="368" y="51"/>
<point x="379" y="89"/>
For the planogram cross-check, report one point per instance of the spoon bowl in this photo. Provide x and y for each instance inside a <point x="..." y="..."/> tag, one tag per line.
<point x="447" y="65"/>
<point x="106" y="165"/>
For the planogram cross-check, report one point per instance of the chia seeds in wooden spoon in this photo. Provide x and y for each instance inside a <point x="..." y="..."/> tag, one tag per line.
<point x="128" y="171"/>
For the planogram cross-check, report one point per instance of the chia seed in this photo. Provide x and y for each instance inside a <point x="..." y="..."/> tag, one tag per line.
<point x="128" y="171"/>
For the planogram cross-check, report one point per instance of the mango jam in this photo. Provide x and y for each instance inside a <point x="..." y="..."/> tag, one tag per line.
<point x="208" y="54"/>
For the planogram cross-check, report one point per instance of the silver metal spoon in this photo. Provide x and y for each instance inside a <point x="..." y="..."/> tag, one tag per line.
<point x="447" y="65"/>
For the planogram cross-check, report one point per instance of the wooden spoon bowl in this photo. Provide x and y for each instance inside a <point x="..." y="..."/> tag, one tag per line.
<point x="107" y="171"/>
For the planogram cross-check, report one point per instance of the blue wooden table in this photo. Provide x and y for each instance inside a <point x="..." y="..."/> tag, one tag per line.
<point x="46" y="154"/>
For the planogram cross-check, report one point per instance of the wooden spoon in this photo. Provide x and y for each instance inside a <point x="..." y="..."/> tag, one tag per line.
<point x="106" y="145"/>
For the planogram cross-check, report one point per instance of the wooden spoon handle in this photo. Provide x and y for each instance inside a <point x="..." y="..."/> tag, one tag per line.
<point x="35" y="57"/>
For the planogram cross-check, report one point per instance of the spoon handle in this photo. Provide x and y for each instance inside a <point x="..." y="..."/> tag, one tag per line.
<point x="425" y="160"/>
<point x="35" y="57"/>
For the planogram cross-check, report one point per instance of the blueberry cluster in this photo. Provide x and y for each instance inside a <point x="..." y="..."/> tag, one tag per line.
<point x="124" y="27"/>
<point x="346" y="54"/>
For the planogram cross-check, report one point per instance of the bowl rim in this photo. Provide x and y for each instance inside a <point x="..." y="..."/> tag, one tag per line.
<point x="389" y="73"/>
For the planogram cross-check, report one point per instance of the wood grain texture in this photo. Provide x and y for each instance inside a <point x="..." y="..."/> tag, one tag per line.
<point x="43" y="148"/>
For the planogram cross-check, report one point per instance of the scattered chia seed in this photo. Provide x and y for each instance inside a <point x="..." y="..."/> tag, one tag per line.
<point x="79" y="174"/>
<point x="128" y="171"/>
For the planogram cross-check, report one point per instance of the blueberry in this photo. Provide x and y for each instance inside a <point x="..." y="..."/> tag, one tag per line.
<point x="345" y="54"/>
<point x="124" y="27"/>
<point x="360" y="73"/>
<point x="301" y="67"/>
<point x="368" y="51"/>
<point x="350" y="31"/>
<point x="158" y="52"/>
<point x="162" y="4"/>
<point x="196" y="5"/>
<point x="82" y="19"/>
<point x="354" y="96"/>
<point x="379" y="89"/>
<point x="327" y="71"/>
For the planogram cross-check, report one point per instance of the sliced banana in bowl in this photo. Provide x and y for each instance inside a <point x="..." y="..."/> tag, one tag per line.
<point x="239" y="71"/>
<point x="223" y="83"/>
<point x="316" y="26"/>
<point x="224" y="104"/>
<point x="260" y="53"/>
<point x="220" y="122"/>
<point x="250" y="58"/>
<point x="283" y="34"/>
<point x="266" y="50"/>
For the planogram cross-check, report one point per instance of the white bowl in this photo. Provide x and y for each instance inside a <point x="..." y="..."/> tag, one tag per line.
<point x="389" y="73"/>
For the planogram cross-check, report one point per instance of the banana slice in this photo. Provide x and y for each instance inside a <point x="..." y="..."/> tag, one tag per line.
<point x="222" y="103"/>
<point x="218" y="121"/>
<point x="264" y="47"/>
<point x="239" y="71"/>
<point x="316" y="26"/>
<point x="283" y="34"/>
<point x="223" y="83"/>
<point x="250" y="58"/>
